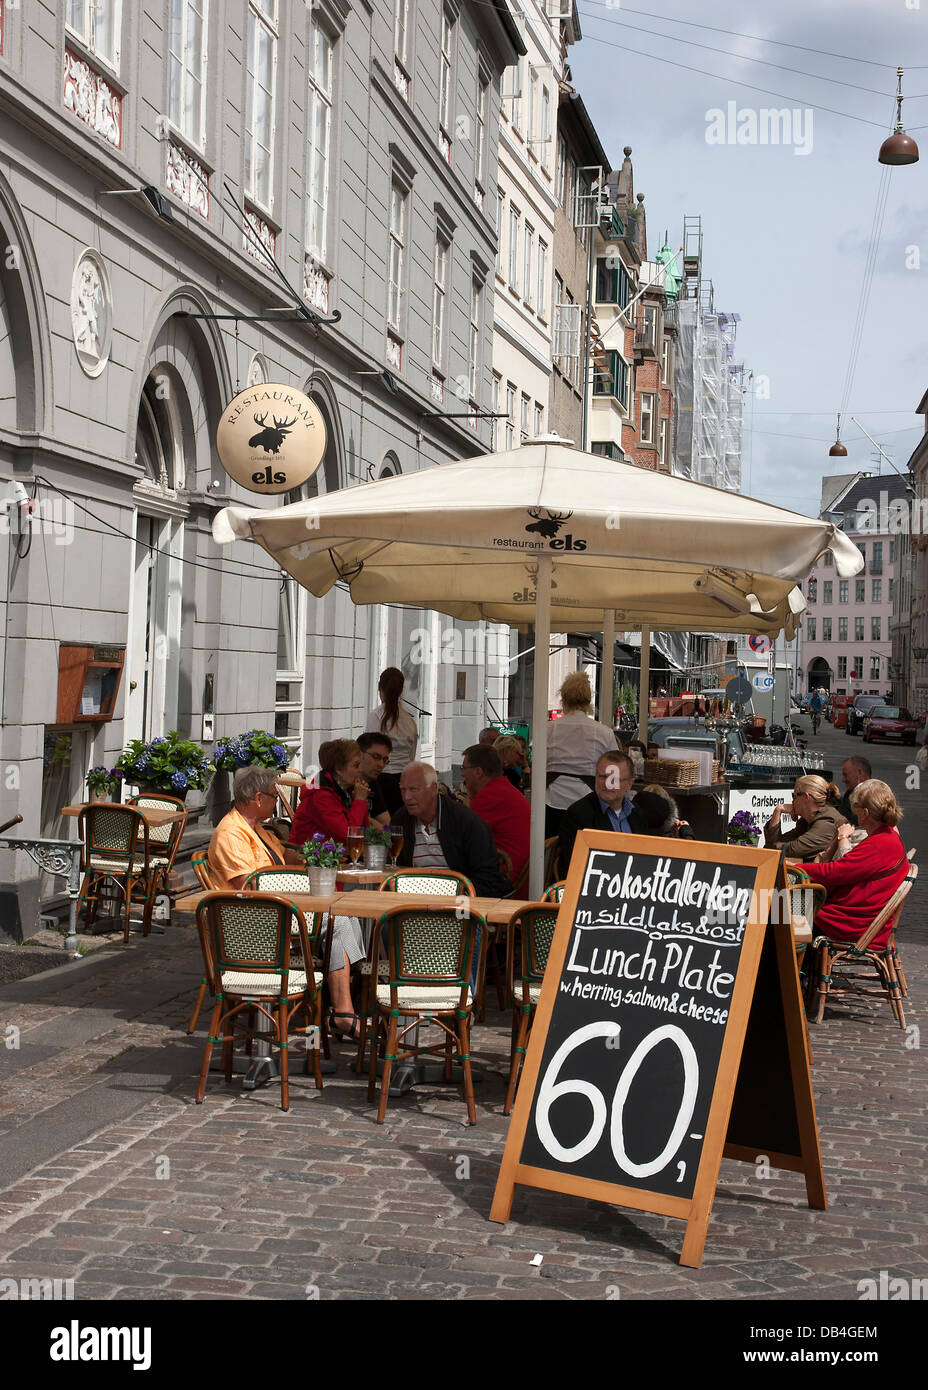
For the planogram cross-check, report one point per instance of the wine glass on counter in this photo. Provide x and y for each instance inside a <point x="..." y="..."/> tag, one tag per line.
<point x="396" y="844"/>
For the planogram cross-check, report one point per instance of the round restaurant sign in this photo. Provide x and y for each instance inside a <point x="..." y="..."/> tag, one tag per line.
<point x="271" y="438"/>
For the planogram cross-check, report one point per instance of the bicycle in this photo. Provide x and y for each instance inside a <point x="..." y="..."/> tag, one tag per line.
<point x="816" y="720"/>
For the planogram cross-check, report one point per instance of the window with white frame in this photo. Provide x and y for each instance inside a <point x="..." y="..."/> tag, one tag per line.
<point x="259" y="100"/>
<point x="401" y="45"/>
<point x="532" y="105"/>
<point x="646" y="421"/>
<point x="187" y="69"/>
<point x="665" y="444"/>
<point x="397" y="268"/>
<point x="446" y="58"/>
<point x="561" y="176"/>
<point x="875" y="624"/>
<point x="494" y="423"/>
<point x="500" y="214"/>
<point x="858" y="629"/>
<point x="318" y="149"/>
<point x="842" y="629"/>
<point x="574" y="312"/>
<point x="541" y="293"/>
<point x="874" y="668"/>
<point x="842" y="668"/>
<point x="545" y="122"/>
<point x="480" y="136"/>
<point x="810" y="629"/>
<point x="473" y="354"/>
<point x="510" y="415"/>
<point x="439" y="299"/>
<point x="539" y="419"/>
<point x="877" y="585"/>
<point x="524" y="409"/>
<point x="665" y="362"/>
<point x="528" y="284"/>
<point x="97" y="23"/>
<point x="515" y="218"/>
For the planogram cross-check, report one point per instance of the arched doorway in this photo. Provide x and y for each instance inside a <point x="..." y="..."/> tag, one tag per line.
<point x="820" y="674"/>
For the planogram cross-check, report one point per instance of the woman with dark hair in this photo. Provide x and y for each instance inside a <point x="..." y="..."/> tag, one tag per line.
<point x="338" y="801"/>
<point x="390" y="718"/>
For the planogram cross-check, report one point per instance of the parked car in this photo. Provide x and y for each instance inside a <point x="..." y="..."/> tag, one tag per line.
<point x="857" y="712"/>
<point x="890" y="722"/>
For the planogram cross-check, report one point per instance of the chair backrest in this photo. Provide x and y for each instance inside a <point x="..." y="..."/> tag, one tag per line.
<point x="505" y="865"/>
<point x="430" y="947"/>
<point x="284" y="881"/>
<point x="200" y="865"/>
<point x="443" y="882"/>
<point x="162" y="835"/>
<point x="535" y="928"/>
<point x="247" y="931"/>
<point x="890" y="912"/>
<point x="113" y="832"/>
<point x="554" y="891"/>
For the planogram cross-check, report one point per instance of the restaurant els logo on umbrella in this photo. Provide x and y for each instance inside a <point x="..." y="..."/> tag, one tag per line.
<point x="271" y="438"/>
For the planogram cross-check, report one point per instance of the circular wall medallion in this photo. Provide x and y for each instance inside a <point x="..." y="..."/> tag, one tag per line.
<point x="91" y="313"/>
<point x="271" y="438"/>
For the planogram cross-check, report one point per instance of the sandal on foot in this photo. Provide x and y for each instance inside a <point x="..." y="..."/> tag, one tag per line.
<point x="351" y="1035"/>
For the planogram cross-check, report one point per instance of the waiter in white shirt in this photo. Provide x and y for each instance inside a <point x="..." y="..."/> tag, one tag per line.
<point x="575" y="744"/>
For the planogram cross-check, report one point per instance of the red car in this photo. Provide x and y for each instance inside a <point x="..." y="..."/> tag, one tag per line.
<point x="890" y="722"/>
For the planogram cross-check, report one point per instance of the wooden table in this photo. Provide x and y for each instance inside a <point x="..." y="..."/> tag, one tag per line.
<point x="364" y="903"/>
<point x="152" y="815"/>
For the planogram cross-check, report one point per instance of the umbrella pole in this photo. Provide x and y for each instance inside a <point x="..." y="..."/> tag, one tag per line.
<point x="607" y="678"/>
<point x="540" y="725"/>
<point x="644" y="684"/>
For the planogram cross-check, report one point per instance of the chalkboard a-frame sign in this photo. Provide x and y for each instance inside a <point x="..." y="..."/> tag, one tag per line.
<point x="669" y="1033"/>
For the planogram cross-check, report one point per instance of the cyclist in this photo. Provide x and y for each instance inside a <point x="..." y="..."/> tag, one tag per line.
<point x="815" y="709"/>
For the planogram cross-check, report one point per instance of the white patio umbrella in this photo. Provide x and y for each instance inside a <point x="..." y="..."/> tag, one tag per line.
<point x="549" y="537"/>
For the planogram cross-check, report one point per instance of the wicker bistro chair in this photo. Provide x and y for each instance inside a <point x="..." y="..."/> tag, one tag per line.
<point x="828" y="955"/>
<point x="554" y="891"/>
<point x="431" y="957"/>
<point x="284" y="882"/>
<point x="535" y="928"/>
<point x="441" y="882"/>
<point x="164" y="840"/>
<point x="246" y="941"/>
<point x="116" y="851"/>
<point x="550" y="859"/>
<point x="200" y="865"/>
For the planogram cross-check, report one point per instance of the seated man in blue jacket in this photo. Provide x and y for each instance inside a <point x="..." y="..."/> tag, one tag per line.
<point x="607" y="807"/>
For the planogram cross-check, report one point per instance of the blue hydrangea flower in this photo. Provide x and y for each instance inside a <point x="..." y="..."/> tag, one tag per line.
<point x="156" y="742"/>
<point x="280" y="753"/>
<point x="141" y="763"/>
<point x="179" y="781"/>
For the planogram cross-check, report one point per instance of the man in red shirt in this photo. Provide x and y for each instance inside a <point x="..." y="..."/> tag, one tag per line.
<point x="495" y="800"/>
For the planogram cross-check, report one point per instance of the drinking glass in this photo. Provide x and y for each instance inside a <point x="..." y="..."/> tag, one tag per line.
<point x="355" y="844"/>
<point x="396" y="844"/>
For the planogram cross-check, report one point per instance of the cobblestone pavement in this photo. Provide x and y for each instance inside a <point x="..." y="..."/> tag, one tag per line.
<point x="114" y="1178"/>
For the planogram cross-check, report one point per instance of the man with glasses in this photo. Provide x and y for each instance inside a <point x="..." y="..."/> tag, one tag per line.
<point x="240" y="843"/>
<point x="375" y="754"/>
<point x="607" y="807"/>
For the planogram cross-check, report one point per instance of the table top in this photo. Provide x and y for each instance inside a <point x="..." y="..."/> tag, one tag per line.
<point x="152" y="815"/>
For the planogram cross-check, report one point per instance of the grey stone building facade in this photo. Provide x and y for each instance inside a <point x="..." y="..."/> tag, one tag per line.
<point x="148" y="152"/>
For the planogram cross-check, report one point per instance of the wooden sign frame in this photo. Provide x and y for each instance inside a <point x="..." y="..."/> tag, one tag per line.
<point x="694" y="1210"/>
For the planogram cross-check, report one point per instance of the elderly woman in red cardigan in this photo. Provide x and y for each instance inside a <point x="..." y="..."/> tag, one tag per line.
<point x="862" y="882"/>
<point x="338" y="801"/>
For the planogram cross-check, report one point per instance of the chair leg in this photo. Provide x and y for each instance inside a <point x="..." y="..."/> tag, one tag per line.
<point x="375" y="1048"/>
<point x="284" y="1053"/>
<point x="515" y="1065"/>
<point x="387" y="1068"/>
<point x="228" y="1046"/>
<point x="822" y="969"/>
<point x="210" y="1035"/>
<point x="201" y="995"/>
<point x="317" y="1050"/>
<point x="464" y="1054"/>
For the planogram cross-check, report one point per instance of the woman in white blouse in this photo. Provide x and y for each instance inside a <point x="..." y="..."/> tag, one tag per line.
<point x="575" y="744"/>
<point x="391" y="719"/>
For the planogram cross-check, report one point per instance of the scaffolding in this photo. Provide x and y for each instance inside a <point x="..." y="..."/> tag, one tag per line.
<point x="708" y="382"/>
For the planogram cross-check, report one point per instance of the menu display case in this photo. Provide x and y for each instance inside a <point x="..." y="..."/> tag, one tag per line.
<point x="88" y="683"/>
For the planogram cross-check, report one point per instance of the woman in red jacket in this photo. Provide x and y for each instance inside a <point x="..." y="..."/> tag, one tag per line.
<point x="862" y="883"/>
<point x="339" y="799"/>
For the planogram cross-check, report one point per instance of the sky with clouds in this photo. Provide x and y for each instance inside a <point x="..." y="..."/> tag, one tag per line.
<point x="787" y="234"/>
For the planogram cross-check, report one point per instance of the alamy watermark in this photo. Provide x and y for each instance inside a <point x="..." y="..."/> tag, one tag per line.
<point x="768" y="125"/>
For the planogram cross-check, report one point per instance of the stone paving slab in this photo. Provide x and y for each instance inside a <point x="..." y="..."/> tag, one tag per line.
<point x="112" y="1176"/>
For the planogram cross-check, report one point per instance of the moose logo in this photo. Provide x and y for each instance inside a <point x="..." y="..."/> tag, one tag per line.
<point x="269" y="439"/>
<point x="291" y="435"/>
<point x="549" y="525"/>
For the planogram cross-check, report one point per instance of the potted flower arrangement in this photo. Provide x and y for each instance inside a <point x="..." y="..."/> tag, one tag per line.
<point x="376" y="844"/>
<point x="254" y="747"/>
<point x="321" y="857"/>
<point x="171" y="764"/>
<point x="743" y="829"/>
<point x="103" y="782"/>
